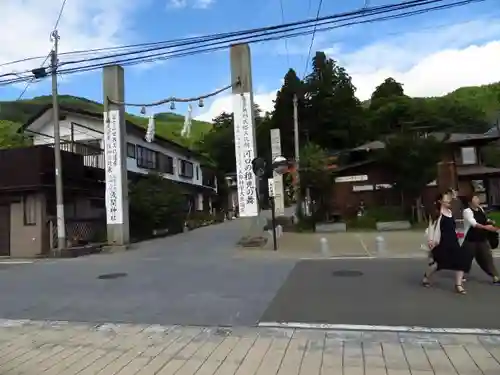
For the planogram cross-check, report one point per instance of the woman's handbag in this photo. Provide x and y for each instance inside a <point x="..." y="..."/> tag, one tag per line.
<point x="433" y="233"/>
<point x="492" y="237"/>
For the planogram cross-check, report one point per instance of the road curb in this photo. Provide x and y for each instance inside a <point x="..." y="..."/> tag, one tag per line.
<point x="377" y="328"/>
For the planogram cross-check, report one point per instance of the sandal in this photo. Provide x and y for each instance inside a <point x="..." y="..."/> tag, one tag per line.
<point x="425" y="281"/>
<point x="460" y="289"/>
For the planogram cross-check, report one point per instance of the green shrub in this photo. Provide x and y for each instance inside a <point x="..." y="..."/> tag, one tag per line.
<point x="306" y="224"/>
<point x="155" y="203"/>
<point x="386" y="213"/>
<point x="495" y="216"/>
<point x="376" y="214"/>
<point x="362" y="222"/>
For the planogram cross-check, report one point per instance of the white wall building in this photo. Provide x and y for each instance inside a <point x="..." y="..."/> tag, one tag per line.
<point x="82" y="132"/>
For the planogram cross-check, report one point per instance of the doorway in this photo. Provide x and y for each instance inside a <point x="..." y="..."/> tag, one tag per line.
<point x="4" y="230"/>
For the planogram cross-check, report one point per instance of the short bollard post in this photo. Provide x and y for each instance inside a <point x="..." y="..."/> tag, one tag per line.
<point x="279" y="231"/>
<point x="380" y="245"/>
<point x="325" y="250"/>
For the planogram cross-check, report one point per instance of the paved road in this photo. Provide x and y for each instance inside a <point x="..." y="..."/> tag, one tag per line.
<point x="384" y="292"/>
<point x="196" y="279"/>
<point x="185" y="279"/>
<point x="39" y="348"/>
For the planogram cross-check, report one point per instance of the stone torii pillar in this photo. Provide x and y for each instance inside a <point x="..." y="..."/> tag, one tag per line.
<point x="115" y="134"/>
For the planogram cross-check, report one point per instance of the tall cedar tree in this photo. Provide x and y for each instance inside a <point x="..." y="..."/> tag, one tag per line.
<point x="334" y="116"/>
<point x="282" y="116"/>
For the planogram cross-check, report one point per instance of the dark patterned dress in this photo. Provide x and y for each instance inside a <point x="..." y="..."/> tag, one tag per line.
<point x="449" y="255"/>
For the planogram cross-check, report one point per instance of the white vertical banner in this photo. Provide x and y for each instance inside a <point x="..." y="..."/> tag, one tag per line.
<point x="112" y="158"/>
<point x="279" y="199"/>
<point x="270" y="187"/>
<point x="244" y="145"/>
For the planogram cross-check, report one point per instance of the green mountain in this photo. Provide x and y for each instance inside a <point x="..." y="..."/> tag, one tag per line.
<point x="168" y="125"/>
<point x="485" y="98"/>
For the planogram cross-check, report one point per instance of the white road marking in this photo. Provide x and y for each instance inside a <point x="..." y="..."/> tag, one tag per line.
<point x="363" y="244"/>
<point x="399" y="329"/>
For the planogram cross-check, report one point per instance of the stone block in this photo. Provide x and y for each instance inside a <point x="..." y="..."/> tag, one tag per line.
<point x="393" y="225"/>
<point x="331" y="227"/>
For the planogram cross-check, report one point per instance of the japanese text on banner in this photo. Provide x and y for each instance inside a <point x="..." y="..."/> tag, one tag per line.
<point x="114" y="201"/>
<point x="245" y="153"/>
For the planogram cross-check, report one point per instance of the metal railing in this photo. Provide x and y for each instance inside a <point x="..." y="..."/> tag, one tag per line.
<point x="92" y="156"/>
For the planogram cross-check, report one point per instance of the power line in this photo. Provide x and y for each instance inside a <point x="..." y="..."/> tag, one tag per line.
<point x="31" y="81"/>
<point x="60" y="14"/>
<point x="275" y="28"/>
<point x="192" y="40"/>
<point x="198" y="49"/>
<point x="61" y="10"/>
<point x="263" y="37"/>
<point x="271" y="30"/>
<point x="286" y="40"/>
<point x="312" y="38"/>
<point x="217" y="44"/>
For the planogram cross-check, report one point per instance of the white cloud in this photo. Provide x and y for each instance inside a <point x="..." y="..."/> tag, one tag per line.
<point x="177" y="4"/>
<point x="84" y="24"/>
<point x="196" y="4"/>
<point x="203" y="4"/>
<point x="431" y="63"/>
<point x="439" y="73"/>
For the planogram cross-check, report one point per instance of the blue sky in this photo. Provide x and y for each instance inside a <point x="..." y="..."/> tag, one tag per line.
<point x="431" y="54"/>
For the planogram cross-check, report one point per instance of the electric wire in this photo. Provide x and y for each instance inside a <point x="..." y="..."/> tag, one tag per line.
<point x="264" y="36"/>
<point x="172" y="43"/>
<point x="200" y="38"/>
<point x="59" y="16"/>
<point x="312" y="39"/>
<point x="28" y="84"/>
<point x="275" y="28"/>
<point x="314" y="22"/>
<point x="225" y="44"/>
<point x="163" y="56"/>
<point x="286" y="40"/>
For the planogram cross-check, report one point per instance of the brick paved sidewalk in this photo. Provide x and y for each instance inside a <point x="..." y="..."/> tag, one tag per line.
<point x="36" y="348"/>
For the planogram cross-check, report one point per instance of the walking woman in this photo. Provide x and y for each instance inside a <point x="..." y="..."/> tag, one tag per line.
<point x="446" y="252"/>
<point x="476" y="228"/>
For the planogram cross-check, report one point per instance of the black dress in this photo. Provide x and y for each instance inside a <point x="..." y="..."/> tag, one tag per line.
<point x="449" y="255"/>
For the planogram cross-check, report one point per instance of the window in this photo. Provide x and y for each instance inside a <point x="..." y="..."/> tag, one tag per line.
<point x="146" y="158"/>
<point x="29" y="208"/>
<point x="130" y="150"/>
<point x="165" y="164"/>
<point x="185" y="169"/>
<point x="197" y="173"/>
<point x="469" y="155"/>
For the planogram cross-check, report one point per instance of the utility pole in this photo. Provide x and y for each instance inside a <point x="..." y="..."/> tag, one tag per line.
<point x="244" y="141"/>
<point x="61" y="229"/>
<point x="297" y="153"/>
<point x="115" y="157"/>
